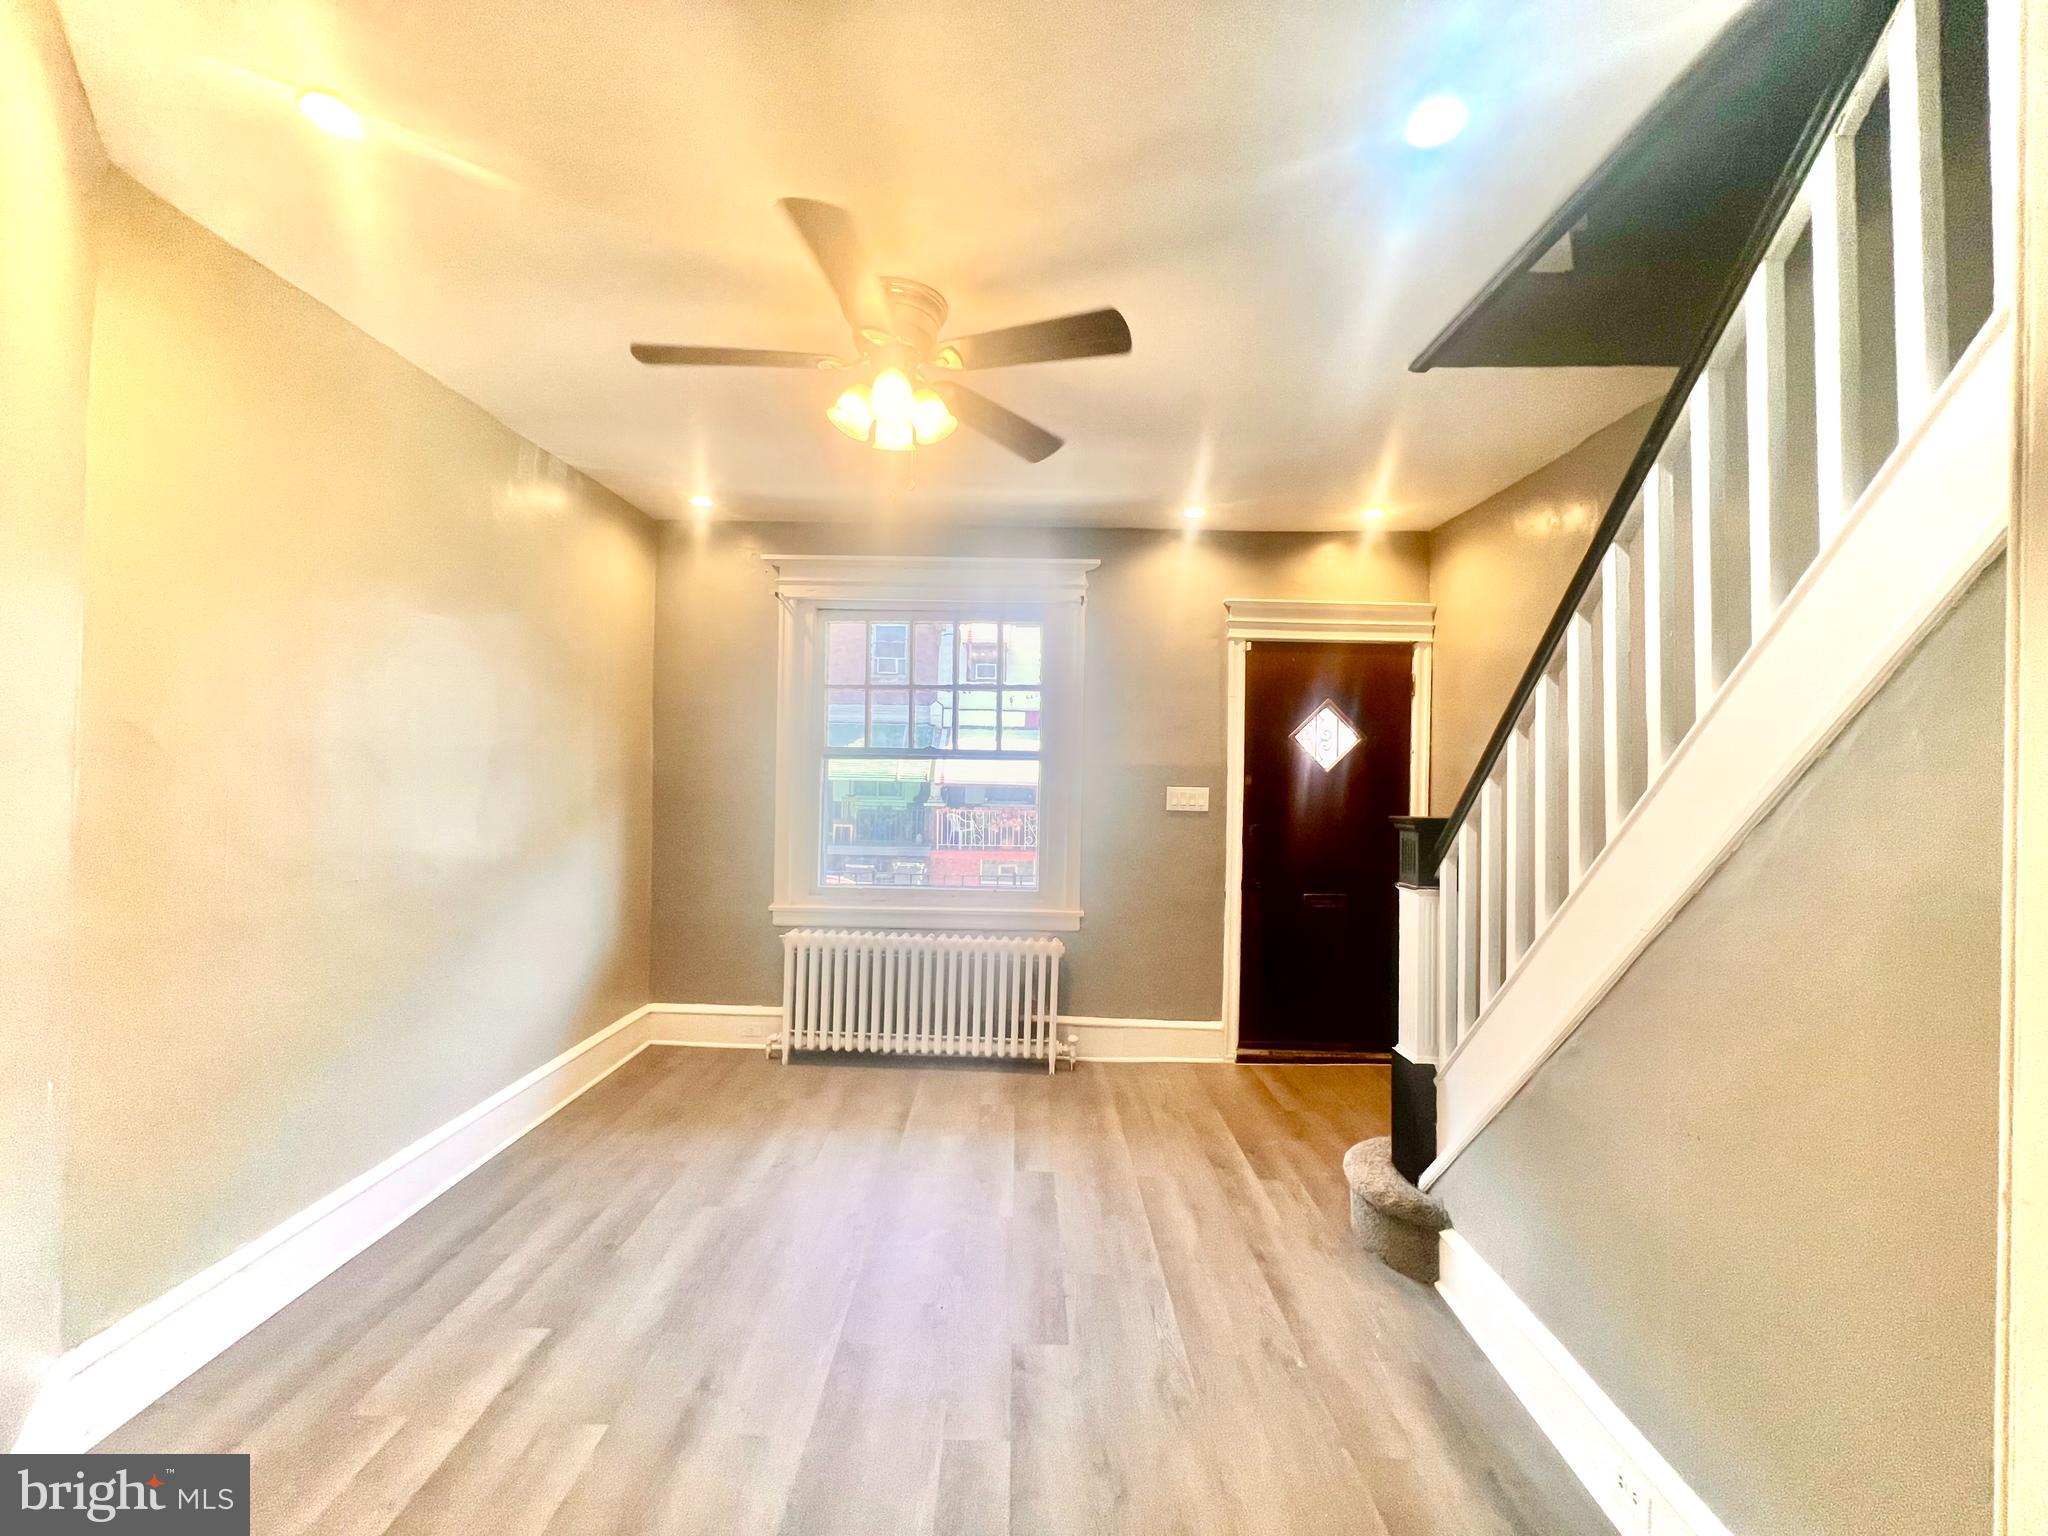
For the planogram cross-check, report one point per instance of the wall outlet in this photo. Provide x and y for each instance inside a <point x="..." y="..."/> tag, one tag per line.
<point x="1631" y="1502"/>
<point x="1183" y="797"/>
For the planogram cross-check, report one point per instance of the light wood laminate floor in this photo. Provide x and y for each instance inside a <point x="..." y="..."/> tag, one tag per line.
<point x="718" y="1295"/>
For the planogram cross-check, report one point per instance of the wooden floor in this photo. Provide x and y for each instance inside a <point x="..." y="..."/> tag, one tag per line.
<point x="724" y="1296"/>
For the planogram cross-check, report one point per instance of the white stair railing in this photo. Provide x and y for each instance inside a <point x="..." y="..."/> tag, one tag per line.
<point x="1751" y="484"/>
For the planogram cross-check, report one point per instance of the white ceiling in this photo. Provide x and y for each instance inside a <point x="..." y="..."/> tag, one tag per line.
<point x="546" y="180"/>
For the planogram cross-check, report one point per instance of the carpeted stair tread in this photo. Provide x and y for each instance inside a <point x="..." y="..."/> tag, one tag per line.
<point x="1395" y="1222"/>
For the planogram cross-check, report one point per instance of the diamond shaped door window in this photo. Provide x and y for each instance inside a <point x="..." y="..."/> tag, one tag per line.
<point x="1326" y="736"/>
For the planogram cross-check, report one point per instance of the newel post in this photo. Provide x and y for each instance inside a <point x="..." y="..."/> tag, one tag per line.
<point x="1417" y="1049"/>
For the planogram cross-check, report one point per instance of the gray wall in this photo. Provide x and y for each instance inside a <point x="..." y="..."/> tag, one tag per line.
<point x="50" y="168"/>
<point x="1151" y="945"/>
<point x="1754" y="1193"/>
<point x="364" y="779"/>
<point x="1496" y="575"/>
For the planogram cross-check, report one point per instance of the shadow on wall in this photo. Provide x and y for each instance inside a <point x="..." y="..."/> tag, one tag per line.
<point x="1754" y="1194"/>
<point x="1496" y="575"/>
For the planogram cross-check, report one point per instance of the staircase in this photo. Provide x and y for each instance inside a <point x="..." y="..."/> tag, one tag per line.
<point x="1829" y="472"/>
<point x="1829" y="475"/>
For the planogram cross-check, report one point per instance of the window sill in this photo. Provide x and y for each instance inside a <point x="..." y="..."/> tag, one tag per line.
<point x="950" y="917"/>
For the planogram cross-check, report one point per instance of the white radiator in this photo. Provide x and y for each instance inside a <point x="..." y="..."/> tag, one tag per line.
<point x="922" y="994"/>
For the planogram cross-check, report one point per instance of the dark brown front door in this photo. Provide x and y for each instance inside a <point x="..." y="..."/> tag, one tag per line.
<point x="1325" y="768"/>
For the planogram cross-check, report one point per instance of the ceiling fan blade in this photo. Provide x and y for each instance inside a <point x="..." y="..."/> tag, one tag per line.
<point x="836" y="246"/>
<point x="1098" y="333"/>
<point x="1026" y="439"/>
<point x="726" y="357"/>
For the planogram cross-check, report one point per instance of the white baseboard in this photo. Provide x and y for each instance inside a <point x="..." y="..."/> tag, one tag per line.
<point x="1633" y="1484"/>
<point x="721" y="1026"/>
<point x="1136" y="1040"/>
<point x="747" y="1026"/>
<point x="98" y="1386"/>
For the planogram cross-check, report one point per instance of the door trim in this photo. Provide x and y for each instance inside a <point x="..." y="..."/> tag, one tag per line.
<point x="1247" y="620"/>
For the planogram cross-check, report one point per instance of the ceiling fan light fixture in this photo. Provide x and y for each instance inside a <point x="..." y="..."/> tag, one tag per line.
<point x="894" y="403"/>
<point x="891" y="393"/>
<point x="896" y="323"/>
<point x="852" y="414"/>
<point x="929" y="418"/>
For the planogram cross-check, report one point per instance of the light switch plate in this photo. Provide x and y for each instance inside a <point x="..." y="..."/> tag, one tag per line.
<point x="1185" y="797"/>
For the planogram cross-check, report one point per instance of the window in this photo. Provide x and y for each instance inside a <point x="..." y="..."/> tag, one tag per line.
<point x="920" y="781"/>
<point x="928" y="733"/>
<point x="1326" y="736"/>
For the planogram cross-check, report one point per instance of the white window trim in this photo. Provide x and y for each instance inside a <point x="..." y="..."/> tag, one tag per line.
<point x="807" y="585"/>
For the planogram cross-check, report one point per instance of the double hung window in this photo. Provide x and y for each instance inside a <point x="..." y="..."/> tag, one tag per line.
<point x="929" y="732"/>
<point x="933" y="727"/>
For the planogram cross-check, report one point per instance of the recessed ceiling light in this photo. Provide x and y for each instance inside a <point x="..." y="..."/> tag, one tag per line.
<point x="330" y="114"/>
<point x="1436" y="121"/>
<point x="1375" y="514"/>
<point x="702" y="502"/>
<point x="1194" y="514"/>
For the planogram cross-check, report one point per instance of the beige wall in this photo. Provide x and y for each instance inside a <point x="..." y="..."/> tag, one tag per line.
<point x="50" y="168"/>
<point x="363" y="798"/>
<point x="1755" y="1193"/>
<point x="1496" y="575"/>
<point x="1151" y="945"/>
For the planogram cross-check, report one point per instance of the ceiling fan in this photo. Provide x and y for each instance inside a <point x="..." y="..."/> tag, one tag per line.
<point x="906" y="396"/>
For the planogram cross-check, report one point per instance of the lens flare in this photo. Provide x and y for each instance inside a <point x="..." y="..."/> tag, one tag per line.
<point x="330" y="114"/>
<point x="1436" y="121"/>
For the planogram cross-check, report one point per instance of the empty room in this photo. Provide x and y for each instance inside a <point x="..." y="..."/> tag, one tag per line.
<point x="1024" y="769"/>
